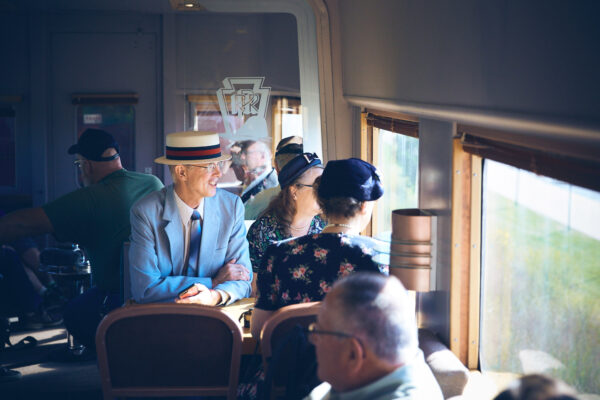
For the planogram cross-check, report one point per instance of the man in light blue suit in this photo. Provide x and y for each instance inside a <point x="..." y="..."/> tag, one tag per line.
<point x="169" y="226"/>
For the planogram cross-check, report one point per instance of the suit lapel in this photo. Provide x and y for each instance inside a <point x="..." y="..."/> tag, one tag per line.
<point x="210" y="232"/>
<point x="174" y="231"/>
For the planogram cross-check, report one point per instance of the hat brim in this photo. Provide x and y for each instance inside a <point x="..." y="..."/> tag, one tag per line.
<point x="74" y="149"/>
<point x="166" y="161"/>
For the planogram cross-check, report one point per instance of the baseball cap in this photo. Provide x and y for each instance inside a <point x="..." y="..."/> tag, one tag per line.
<point x="92" y="143"/>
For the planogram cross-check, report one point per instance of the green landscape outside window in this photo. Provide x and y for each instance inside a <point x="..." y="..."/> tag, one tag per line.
<point x="398" y="162"/>
<point x="540" y="310"/>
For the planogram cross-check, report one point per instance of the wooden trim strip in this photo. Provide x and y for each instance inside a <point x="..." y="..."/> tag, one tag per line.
<point x="475" y="263"/>
<point x="460" y="254"/>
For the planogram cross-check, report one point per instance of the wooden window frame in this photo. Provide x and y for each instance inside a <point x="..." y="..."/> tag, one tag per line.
<point x="547" y="157"/>
<point x="465" y="270"/>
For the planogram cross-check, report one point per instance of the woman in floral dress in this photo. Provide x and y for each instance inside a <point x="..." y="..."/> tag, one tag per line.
<point x="304" y="269"/>
<point x="293" y="212"/>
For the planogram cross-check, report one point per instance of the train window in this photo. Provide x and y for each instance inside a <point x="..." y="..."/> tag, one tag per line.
<point x="206" y="115"/>
<point x="118" y="119"/>
<point x="392" y="145"/>
<point x="540" y="278"/>
<point x="397" y="158"/>
<point x="286" y="118"/>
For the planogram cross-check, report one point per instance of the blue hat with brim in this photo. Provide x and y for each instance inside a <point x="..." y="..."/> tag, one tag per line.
<point x="296" y="167"/>
<point x="352" y="177"/>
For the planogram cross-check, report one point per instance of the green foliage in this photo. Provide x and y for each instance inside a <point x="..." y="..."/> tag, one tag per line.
<point x="399" y="164"/>
<point x="540" y="290"/>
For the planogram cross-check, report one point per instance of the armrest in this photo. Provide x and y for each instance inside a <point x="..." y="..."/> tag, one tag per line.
<point x="451" y="374"/>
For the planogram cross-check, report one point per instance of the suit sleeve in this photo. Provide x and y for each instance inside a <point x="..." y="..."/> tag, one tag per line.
<point x="148" y="284"/>
<point x="238" y="248"/>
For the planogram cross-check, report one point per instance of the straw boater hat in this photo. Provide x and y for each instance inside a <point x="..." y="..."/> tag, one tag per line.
<point x="192" y="148"/>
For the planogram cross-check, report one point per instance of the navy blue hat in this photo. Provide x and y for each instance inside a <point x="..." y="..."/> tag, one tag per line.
<point x="296" y="167"/>
<point x="350" y="178"/>
<point x="92" y="143"/>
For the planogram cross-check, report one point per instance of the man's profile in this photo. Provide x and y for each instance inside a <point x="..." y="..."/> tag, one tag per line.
<point x="366" y="343"/>
<point x="260" y="175"/>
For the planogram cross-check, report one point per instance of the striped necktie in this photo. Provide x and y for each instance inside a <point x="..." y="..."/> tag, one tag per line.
<point x="195" y="235"/>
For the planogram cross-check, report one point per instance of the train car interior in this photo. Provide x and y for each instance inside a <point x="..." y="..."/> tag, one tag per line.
<point x="482" y="118"/>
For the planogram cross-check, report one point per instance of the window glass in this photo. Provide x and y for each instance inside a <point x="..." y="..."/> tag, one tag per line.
<point x="116" y="119"/>
<point x="540" y="278"/>
<point x="287" y="118"/>
<point x="206" y="115"/>
<point x="397" y="158"/>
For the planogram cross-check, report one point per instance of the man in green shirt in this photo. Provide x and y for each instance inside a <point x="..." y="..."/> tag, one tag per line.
<point x="97" y="218"/>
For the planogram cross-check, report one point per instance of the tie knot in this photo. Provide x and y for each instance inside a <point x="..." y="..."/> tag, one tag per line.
<point x="195" y="215"/>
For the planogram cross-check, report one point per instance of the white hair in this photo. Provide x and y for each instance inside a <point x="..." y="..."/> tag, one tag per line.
<point x="377" y="309"/>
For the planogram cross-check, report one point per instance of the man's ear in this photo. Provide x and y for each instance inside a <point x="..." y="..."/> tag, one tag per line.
<point x="181" y="172"/>
<point x="355" y="356"/>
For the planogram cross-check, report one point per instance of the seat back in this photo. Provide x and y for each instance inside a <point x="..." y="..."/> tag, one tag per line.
<point x="168" y="350"/>
<point x="125" y="276"/>
<point x="277" y="329"/>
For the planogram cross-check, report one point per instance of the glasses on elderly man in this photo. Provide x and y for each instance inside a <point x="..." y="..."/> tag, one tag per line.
<point x="211" y="167"/>
<point x="313" y="329"/>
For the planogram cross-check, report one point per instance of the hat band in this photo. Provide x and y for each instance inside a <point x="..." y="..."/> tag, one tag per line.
<point x="193" y="153"/>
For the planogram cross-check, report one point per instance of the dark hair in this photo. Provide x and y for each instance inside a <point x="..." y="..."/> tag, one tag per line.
<point x="283" y="206"/>
<point x="537" y="387"/>
<point x="286" y="140"/>
<point x="341" y="206"/>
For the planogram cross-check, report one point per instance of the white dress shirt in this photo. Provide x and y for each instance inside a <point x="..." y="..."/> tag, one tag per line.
<point x="185" y="214"/>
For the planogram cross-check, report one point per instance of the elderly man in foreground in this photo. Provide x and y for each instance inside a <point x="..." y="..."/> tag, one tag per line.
<point x="366" y="343"/>
<point x="190" y="236"/>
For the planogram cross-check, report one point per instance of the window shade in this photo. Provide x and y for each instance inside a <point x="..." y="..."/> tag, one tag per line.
<point x="574" y="170"/>
<point x="407" y="128"/>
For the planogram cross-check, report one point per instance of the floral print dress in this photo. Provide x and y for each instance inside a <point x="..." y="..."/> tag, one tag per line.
<point x="267" y="230"/>
<point x="304" y="269"/>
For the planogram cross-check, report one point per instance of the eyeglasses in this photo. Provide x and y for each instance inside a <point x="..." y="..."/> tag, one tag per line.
<point x="313" y="329"/>
<point x="303" y="185"/>
<point x="211" y="167"/>
<point x="78" y="163"/>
